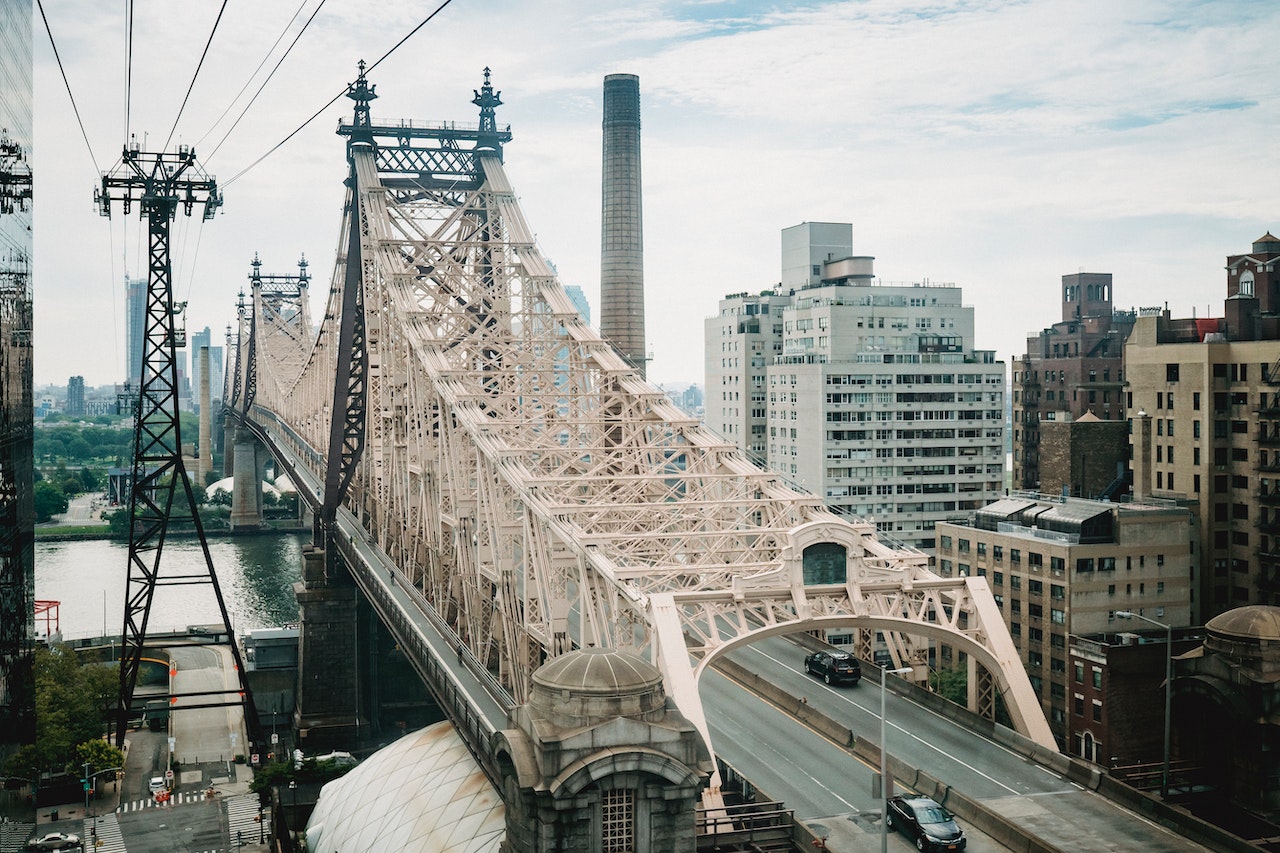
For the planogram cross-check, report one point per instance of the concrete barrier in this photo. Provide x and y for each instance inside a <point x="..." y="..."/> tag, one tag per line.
<point x="971" y="811"/>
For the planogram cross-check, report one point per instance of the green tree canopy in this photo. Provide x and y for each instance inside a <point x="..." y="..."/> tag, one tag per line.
<point x="49" y="500"/>
<point x="72" y="706"/>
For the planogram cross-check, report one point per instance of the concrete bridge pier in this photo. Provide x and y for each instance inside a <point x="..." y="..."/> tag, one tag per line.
<point x="246" y="492"/>
<point x="600" y="758"/>
<point x="328" y="712"/>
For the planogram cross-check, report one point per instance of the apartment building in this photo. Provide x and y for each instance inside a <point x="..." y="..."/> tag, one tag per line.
<point x="1060" y="567"/>
<point x="1205" y="399"/>
<point x="868" y="393"/>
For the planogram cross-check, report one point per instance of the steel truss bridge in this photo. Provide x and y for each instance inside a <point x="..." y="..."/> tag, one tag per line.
<point x="529" y="484"/>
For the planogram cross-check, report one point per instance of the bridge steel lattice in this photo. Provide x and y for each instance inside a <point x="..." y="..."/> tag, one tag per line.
<point x="537" y="491"/>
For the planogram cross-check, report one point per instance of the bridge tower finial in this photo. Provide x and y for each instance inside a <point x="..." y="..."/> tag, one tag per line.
<point x="362" y="93"/>
<point x="256" y="275"/>
<point x="488" y="101"/>
<point x="303" y="277"/>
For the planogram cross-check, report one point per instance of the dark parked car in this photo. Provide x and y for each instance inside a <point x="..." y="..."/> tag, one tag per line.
<point x="932" y="826"/>
<point x="834" y="667"/>
<point x="56" y="841"/>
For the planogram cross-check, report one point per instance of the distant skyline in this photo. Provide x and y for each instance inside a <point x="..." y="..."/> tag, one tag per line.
<point x="996" y="145"/>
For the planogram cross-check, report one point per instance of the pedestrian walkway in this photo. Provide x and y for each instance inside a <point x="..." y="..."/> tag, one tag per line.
<point x="242" y="819"/>
<point x="150" y="802"/>
<point x="108" y="838"/>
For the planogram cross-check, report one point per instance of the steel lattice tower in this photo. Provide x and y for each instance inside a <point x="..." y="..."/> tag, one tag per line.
<point x="160" y="489"/>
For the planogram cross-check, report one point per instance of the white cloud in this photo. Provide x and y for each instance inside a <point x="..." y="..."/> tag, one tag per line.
<point x="998" y="145"/>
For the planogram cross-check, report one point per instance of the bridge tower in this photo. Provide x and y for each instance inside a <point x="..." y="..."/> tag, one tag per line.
<point x="160" y="489"/>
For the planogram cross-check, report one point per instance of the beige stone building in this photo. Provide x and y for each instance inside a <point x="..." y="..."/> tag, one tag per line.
<point x="1204" y="398"/>
<point x="1060" y="567"/>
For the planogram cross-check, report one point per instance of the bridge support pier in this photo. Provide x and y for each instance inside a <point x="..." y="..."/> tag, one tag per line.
<point x="600" y="755"/>
<point x="328" y="712"/>
<point x="246" y="492"/>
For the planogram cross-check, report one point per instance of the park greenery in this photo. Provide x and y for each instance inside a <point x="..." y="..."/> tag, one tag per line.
<point x="74" y="702"/>
<point x="72" y="457"/>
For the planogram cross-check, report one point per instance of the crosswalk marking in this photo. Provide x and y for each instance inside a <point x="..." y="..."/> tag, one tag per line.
<point x="181" y="799"/>
<point x="14" y="835"/>
<point x="242" y="817"/>
<point x="102" y="835"/>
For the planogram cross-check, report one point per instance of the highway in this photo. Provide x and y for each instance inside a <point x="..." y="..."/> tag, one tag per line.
<point x="824" y="784"/>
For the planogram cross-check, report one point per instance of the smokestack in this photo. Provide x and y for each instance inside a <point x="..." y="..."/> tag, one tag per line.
<point x="622" y="237"/>
<point x="204" y="462"/>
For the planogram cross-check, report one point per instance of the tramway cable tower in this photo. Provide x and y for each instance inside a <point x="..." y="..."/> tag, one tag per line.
<point x="160" y="488"/>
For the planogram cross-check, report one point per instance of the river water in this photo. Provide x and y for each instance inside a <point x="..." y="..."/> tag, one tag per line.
<point x="88" y="579"/>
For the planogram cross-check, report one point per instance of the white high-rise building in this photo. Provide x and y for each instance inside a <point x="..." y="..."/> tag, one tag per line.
<point x="867" y="393"/>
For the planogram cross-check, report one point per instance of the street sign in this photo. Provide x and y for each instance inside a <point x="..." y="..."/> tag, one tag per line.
<point x="168" y="774"/>
<point x="275" y="738"/>
<point x="254" y="759"/>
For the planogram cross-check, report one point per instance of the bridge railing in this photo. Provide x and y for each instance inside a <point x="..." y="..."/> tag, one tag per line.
<point x="472" y="724"/>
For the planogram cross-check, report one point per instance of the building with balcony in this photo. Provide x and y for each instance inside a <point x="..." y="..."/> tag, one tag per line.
<point x="1205" y="398"/>
<point x="1063" y="566"/>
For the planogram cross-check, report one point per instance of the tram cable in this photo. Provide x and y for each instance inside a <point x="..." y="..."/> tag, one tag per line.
<point x="336" y="97"/>
<point x="194" y="76"/>
<point x="67" y="83"/>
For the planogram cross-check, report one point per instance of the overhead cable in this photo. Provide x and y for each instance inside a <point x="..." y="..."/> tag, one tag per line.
<point x="67" y="83"/>
<point x="268" y="79"/>
<point x="251" y="77"/>
<point x="335" y="98"/>
<point x="199" y="65"/>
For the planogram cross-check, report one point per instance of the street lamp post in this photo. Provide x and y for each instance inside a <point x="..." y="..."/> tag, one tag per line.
<point x="293" y="816"/>
<point x="884" y="760"/>
<point x="1168" y="690"/>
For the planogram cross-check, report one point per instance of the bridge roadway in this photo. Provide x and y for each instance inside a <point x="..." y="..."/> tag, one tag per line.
<point x="761" y="742"/>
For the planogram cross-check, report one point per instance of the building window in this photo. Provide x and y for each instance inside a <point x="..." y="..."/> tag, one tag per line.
<point x="1058" y="617"/>
<point x="618" y="821"/>
<point x="1078" y="705"/>
<point x="1097" y="678"/>
<point x="1171" y="373"/>
<point x="1097" y="711"/>
<point x="1079" y="673"/>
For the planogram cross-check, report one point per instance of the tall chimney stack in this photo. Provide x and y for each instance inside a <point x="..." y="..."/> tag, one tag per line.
<point x="622" y="233"/>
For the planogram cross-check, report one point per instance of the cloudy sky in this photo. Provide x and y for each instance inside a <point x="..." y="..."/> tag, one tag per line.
<point x="996" y="145"/>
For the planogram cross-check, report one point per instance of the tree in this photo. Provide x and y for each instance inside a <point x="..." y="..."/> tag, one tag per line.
<point x="49" y="501"/>
<point x="99" y="754"/>
<point x="952" y="684"/>
<point x="71" y="485"/>
<point x="72" y="704"/>
<point x="91" y="480"/>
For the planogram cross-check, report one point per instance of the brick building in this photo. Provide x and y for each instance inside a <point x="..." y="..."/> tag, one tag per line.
<point x="1071" y="369"/>
<point x="1059" y="567"/>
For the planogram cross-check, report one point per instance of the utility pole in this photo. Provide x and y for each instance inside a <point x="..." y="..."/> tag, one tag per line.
<point x="160" y="489"/>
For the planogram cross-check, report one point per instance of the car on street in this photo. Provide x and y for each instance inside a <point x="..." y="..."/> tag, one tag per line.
<point x="56" y="841"/>
<point x="928" y="824"/>
<point x="834" y="667"/>
<point x="156" y="785"/>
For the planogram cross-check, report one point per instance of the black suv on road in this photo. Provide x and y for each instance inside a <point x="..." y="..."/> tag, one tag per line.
<point x="929" y="824"/>
<point x="834" y="667"/>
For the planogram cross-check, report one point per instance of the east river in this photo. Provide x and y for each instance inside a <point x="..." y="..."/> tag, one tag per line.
<point x="88" y="578"/>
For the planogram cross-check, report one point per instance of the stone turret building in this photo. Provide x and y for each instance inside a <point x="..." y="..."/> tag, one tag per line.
<point x="600" y="759"/>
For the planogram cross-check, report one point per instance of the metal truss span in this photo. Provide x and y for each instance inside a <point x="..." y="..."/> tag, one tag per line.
<point x="542" y="496"/>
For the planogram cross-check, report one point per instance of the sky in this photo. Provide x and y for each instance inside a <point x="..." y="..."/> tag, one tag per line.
<point x="994" y="145"/>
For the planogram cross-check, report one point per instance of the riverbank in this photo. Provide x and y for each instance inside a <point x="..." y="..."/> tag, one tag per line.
<point x="271" y="527"/>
